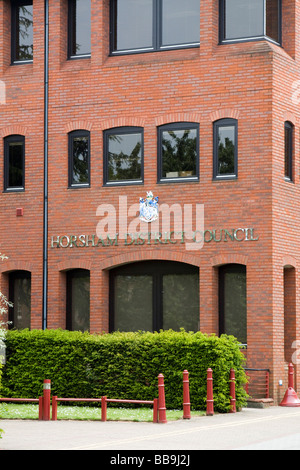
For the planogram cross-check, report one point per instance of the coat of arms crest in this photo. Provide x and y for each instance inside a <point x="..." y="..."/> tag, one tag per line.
<point x="149" y="208"/>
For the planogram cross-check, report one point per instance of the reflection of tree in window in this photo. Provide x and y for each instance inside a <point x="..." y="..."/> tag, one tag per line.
<point x="25" y="33"/>
<point x="124" y="157"/>
<point x="80" y="159"/>
<point x="226" y="156"/>
<point x="179" y="152"/>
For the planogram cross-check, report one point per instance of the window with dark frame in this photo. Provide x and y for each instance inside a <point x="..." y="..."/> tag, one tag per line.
<point x="21" y="31"/>
<point x="78" y="300"/>
<point x="233" y="301"/>
<point x="242" y="20"/>
<point x="225" y="149"/>
<point x="123" y="155"/>
<point x="20" y="296"/>
<point x="152" y="25"/>
<point x="79" y="29"/>
<point x="178" y="152"/>
<point x="288" y="150"/>
<point x="79" y="158"/>
<point x="14" y="163"/>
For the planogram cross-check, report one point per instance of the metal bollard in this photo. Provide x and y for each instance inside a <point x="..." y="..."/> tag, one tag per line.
<point x="162" y="418"/>
<point x="210" y="398"/>
<point x="186" y="396"/>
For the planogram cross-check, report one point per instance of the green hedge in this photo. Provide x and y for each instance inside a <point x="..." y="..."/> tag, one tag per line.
<point x="122" y="365"/>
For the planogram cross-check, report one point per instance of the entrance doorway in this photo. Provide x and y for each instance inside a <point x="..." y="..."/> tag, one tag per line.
<point x="154" y="295"/>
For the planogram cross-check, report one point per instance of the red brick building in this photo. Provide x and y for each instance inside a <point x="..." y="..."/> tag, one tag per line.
<point x="102" y="102"/>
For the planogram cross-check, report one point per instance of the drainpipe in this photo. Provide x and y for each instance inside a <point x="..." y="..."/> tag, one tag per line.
<point x="45" y="221"/>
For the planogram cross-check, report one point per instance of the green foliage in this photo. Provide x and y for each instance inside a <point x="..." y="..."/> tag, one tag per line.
<point x="122" y="365"/>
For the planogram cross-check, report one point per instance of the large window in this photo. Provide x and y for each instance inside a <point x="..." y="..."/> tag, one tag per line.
<point x="78" y="300"/>
<point x="151" y="25"/>
<point x="79" y="158"/>
<point x="79" y="28"/>
<point x="22" y="31"/>
<point x="225" y="149"/>
<point x="14" y="162"/>
<point x="20" y="296"/>
<point x="154" y="295"/>
<point x="288" y="151"/>
<point x="233" y="301"/>
<point x="178" y="152"/>
<point x="250" y="19"/>
<point x="123" y="155"/>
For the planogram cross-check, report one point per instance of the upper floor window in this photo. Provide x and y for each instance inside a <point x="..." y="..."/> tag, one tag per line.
<point x="152" y="25"/>
<point x="178" y="152"/>
<point x="288" y="150"/>
<point x="123" y="155"/>
<point x="225" y="149"/>
<point x="79" y="158"/>
<point x="79" y="37"/>
<point x="22" y="31"/>
<point x="249" y="20"/>
<point x="14" y="163"/>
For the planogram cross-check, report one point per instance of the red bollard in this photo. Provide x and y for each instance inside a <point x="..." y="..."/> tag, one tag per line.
<point x="186" y="396"/>
<point x="210" y="399"/>
<point x="290" y="398"/>
<point x="46" y="399"/>
<point x="54" y="408"/>
<point x="103" y="408"/>
<point x="232" y="391"/>
<point x="162" y="418"/>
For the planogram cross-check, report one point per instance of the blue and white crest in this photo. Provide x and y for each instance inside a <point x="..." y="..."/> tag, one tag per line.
<point x="149" y="208"/>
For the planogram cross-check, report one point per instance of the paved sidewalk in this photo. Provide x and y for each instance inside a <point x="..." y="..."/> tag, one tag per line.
<point x="274" y="428"/>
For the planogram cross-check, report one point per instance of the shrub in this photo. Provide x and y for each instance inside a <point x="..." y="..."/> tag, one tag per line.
<point x="122" y="365"/>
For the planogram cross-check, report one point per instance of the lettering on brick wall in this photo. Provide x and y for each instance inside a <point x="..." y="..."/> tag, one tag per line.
<point x="237" y="235"/>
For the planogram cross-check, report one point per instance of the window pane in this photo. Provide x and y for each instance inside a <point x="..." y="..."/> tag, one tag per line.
<point x="180" y="22"/>
<point x="133" y="20"/>
<point x="24" y="32"/>
<point x="288" y="150"/>
<point x="81" y="27"/>
<point x="226" y="150"/>
<point x="235" y="302"/>
<point x="15" y="164"/>
<point x="133" y="303"/>
<point x="244" y="18"/>
<point x="20" y="295"/>
<point x="272" y="19"/>
<point x="179" y="153"/>
<point x="79" y="284"/>
<point x="124" y="157"/>
<point x="181" y="302"/>
<point x="80" y="160"/>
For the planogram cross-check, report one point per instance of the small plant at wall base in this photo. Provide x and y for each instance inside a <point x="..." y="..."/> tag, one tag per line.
<point x="123" y="365"/>
<point x="4" y="304"/>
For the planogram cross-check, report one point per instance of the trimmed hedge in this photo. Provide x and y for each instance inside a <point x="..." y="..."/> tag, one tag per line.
<point x="122" y="365"/>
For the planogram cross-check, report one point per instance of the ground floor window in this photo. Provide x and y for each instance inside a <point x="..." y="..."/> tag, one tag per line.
<point x="20" y="296"/>
<point x="154" y="295"/>
<point x="233" y="301"/>
<point x="78" y="300"/>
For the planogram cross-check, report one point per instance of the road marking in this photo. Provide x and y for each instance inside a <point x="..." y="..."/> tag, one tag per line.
<point x="192" y="430"/>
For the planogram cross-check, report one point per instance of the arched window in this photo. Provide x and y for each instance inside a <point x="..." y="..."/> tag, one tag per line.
<point x="78" y="300"/>
<point x="154" y="295"/>
<point x="288" y="150"/>
<point x="20" y="296"/>
<point x="225" y="149"/>
<point x="233" y="301"/>
<point x="123" y="155"/>
<point x="79" y="158"/>
<point x="14" y="163"/>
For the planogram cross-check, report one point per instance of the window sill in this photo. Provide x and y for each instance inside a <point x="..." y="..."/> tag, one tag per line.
<point x="179" y="180"/>
<point x="225" y="178"/>
<point x="115" y="184"/>
<point x="14" y="190"/>
<point x="250" y="39"/>
<point x="79" y="186"/>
